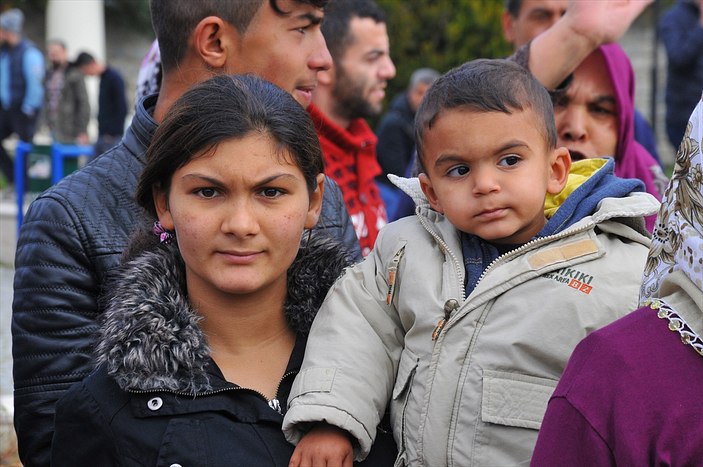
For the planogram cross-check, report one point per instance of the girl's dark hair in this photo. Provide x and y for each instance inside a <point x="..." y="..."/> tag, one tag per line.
<point x="222" y="108"/>
<point x="485" y="85"/>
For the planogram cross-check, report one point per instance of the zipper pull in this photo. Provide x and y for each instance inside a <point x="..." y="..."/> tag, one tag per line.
<point x="449" y="306"/>
<point x="392" y="273"/>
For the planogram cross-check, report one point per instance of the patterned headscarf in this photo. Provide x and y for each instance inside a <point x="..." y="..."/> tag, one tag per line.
<point x="677" y="240"/>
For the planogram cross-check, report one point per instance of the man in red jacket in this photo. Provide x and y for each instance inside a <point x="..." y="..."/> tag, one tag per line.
<point x="352" y="90"/>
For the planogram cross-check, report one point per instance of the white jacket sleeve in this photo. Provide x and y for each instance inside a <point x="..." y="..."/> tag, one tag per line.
<point x="351" y="358"/>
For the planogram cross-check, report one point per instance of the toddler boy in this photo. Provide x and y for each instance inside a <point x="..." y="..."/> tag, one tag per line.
<point x="465" y="314"/>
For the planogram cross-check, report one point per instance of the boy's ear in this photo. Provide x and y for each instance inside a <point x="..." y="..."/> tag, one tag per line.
<point x="428" y="190"/>
<point x="560" y="166"/>
<point x="162" y="210"/>
<point x="210" y="41"/>
<point x="315" y="202"/>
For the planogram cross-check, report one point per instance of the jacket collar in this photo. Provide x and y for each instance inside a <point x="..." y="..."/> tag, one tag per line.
<point x="150" y="338"/>
<point x="141" y="131"/>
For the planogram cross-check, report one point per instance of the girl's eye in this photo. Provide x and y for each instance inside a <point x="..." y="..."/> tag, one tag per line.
<point x="458" y="171"/>
<point x="206" y="192"/>
<point x="271" y="192"/>
<point x="509" y="160"/>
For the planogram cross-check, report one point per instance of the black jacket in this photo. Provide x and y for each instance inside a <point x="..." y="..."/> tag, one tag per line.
<point x="72" y="238"/>
<point x="158" y="398"/>
<point x="396" y="139"/>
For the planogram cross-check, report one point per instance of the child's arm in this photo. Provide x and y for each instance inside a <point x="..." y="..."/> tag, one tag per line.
<point x="323" y="445"/>
<point x="352" y="355"/>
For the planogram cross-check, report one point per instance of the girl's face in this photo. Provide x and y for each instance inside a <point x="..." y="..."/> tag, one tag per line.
<point x="239" y="212"/>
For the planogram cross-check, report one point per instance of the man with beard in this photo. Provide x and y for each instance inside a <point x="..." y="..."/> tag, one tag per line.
<point x="352" y="90"/>
<point x="21" y="90"/>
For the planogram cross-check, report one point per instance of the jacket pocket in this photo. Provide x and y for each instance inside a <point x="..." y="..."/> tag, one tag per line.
<point x="399" y="402"/>
<point x="513" y="399"/>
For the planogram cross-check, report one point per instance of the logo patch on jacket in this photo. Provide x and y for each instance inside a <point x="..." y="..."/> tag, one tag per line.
<point x="573" y="278"/>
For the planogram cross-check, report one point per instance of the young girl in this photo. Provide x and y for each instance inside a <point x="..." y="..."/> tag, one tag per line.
<point x="206" y="322"/>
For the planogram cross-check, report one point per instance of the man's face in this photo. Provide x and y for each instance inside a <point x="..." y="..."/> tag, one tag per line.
<point x="285" y="50"/>
<point x="587" y="116"/>
<point x="361" y="74"/>
<point x="534" y="17"/>
<point x="56" y="54"/>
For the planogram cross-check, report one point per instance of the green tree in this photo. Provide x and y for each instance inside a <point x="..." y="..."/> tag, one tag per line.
<point x="441" y="34"/>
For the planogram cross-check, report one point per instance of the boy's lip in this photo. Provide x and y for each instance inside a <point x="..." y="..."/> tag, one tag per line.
<point x="491" y="213"/>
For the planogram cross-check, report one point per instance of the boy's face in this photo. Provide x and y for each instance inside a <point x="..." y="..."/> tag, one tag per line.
<point x="489" y="173"/>
<point x="285" y="50"/>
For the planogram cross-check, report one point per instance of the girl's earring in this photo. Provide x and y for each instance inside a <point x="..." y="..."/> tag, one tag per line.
<point x="165" y="236"/>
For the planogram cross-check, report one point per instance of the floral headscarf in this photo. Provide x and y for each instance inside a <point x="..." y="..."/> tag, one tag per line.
<point x="677" y="240"/>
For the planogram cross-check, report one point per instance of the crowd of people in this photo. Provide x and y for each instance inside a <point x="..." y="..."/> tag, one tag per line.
<point x="53" y="96"/>
<point x="249" y="274"/>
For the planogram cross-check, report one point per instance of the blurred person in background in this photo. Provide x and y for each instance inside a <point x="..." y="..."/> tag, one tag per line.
<point x="112" y="103"/>
<point x="348" y="93"/>
<point x="21" y="88"/>
<point x="396" y="137"/>
<point x="681" y="32"/>
<point x="67" y="109"/>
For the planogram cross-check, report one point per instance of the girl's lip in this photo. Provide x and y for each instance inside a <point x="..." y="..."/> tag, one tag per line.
<point x="240" y="257"/>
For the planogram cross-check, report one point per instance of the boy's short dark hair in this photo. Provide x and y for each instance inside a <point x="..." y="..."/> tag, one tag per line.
<point x="338" y="16"/>
<point x="485" y="85"/>
<point x="174" y="20"/>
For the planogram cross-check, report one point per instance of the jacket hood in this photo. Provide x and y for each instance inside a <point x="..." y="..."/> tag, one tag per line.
<point x="150" y="338"/>
<point x="631" y="159"/>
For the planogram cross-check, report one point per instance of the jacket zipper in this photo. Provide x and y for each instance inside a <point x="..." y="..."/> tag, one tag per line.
<point x="218" y="391"/>
<point x="450" y="308"/>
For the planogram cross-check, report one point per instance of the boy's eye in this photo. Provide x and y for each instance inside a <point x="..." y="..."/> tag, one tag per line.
<point x="458" y="171"/>
<point x="206" y="192"/>
<point x="509" y="160"/>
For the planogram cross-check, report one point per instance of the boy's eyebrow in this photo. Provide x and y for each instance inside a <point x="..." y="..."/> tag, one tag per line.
<point x="507" y="146"/>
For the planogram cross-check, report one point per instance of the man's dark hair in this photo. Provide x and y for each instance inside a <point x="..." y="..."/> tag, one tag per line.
<point x="174" y="20"/>
<point x="84" y="58"/>
<point x="513" y="7"/>
<point x="485" y="85"/>
<point x="338" y="15"/>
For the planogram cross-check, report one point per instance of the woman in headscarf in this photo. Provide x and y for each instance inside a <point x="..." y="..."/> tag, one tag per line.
<point x="595" y="118"/>
<point x="630" y="393"/>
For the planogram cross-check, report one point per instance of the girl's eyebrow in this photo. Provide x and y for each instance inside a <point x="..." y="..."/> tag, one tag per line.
<point x="217" y="182"/>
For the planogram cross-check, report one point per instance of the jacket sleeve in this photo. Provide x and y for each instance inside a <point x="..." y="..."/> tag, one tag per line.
<point x="351" y="358"/>
<point x="682" y="36"/>
<point x="53" y="321"/>
<point x="82" y="436"/>
<point x="335" y="221"/>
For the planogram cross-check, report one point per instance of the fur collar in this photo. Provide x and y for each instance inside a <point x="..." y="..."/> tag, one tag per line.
<point x="150" y="338"/>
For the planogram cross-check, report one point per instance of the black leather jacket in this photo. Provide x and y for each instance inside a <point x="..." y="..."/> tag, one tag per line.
<point x="72" y="238"/>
